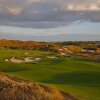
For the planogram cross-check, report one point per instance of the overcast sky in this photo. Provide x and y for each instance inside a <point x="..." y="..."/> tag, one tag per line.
<point x="50" y="19"/>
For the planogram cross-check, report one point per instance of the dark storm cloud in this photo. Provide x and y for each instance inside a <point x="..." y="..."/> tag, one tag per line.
<point x="47" y="13"/>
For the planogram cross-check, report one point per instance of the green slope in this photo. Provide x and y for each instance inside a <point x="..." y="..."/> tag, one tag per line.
<point x="80" y="78"/>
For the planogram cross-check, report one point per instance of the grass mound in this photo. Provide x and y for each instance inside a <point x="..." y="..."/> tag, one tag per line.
<point x="12" y="88"/>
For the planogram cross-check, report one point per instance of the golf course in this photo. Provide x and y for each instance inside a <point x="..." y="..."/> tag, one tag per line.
<point x="73" y="75"/>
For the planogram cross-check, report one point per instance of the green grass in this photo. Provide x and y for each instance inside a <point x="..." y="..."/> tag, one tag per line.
<point x="80" y="78"/>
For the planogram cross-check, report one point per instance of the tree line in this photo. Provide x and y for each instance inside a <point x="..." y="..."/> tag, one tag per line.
<point x="31" y="45"/>
<point x="50" y="46"/>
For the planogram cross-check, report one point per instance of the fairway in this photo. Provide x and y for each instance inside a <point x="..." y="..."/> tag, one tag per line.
<point x="73" y="75"/>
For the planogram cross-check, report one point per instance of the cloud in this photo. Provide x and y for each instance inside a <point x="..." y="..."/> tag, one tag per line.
<point x="79" y="5"/>
<point x="73" y="7"/>
<point x="15" y="10"/>
<point x="47" y="13"/>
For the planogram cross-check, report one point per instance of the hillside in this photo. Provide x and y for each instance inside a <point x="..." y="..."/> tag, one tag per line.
<point x="12" y="88"/>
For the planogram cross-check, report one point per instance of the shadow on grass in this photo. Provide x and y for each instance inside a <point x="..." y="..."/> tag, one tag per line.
<point x="14" y="70"/>
<point x="54" y="62"/>
<point x="76" y="78"/>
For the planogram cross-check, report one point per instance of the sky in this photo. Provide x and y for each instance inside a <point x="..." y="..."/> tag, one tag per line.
<point x="50" y="20"/>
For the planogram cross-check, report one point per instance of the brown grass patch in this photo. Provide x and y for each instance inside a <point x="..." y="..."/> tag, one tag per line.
<point x="12" y="88"/>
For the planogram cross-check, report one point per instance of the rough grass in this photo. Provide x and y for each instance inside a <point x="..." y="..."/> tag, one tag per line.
<point x="12" y="88"/>
<point x="73" y="75"/>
